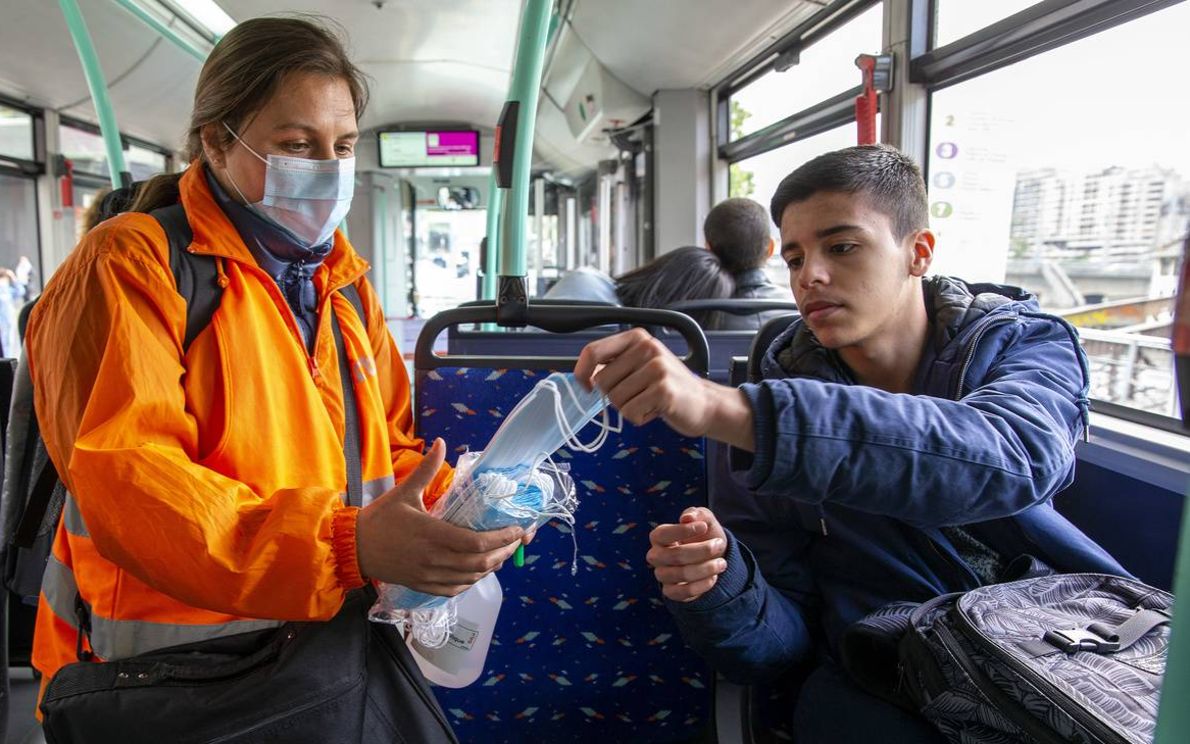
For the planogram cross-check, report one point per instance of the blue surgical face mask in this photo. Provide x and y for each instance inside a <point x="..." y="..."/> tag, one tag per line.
<point x="550" y="416"/>
<point x="305" y="198"/>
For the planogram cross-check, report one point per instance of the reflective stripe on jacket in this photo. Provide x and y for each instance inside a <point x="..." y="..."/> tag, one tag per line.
<point x="207" y="487"/>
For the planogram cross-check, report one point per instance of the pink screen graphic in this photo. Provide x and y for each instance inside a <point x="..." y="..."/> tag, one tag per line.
<point x="452" y="144"/>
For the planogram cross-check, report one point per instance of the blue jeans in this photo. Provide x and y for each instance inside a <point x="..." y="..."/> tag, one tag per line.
<point x="832" y="710"/>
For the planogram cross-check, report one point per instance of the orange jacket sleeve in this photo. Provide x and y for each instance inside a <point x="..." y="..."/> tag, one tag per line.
<point x="105" y="345"/>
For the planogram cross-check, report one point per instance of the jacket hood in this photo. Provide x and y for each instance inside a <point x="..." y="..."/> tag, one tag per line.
<point x="953" y="306"/>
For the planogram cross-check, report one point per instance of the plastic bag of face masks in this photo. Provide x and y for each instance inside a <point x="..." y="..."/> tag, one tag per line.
<point x="510" y="482"/>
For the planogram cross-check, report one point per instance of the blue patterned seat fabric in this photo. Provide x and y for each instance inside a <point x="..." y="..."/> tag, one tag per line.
<point x="592" y="657"/>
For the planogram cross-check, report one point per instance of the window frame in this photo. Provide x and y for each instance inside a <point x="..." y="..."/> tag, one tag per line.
<point x="836" y="111"/>
<point x="32" y="178"/>
<point x="30" y="170"/>
<point x="1040" y="28"/>
<point x="14" y="166"/>
<point x="125" y="141"/>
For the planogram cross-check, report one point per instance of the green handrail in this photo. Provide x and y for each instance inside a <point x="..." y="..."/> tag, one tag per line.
<point x="495" y="199"/>
<point x="154" y="23"/>
<point x="1173" y="718"/>
<point x="98" y="87"/>
<point x="526" y="84"/>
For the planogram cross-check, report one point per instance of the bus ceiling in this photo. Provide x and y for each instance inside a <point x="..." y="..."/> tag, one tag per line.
<point x="450" y="65"/>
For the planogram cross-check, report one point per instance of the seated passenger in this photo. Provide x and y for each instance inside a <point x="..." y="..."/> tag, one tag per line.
<point x="737" y="231"/>
<point x="212" y="496"/>
<point x="908" y="437"/>
<point x="688" y="273"/>
<point x="584" y="283"/>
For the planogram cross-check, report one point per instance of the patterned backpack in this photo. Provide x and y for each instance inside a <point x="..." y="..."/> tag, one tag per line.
<point x="1060" y="658"/>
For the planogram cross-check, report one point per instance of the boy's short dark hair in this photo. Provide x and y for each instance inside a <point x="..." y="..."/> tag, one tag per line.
<point x="884" y="174"/>
<point x="737" y="231"/>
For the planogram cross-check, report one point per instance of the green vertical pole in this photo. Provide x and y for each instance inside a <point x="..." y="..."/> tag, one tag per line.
<point x="495" y="200"/>
<point x="98" y="86"/>
<point x="526" y="84"/>
<point x="1173" y="719"/>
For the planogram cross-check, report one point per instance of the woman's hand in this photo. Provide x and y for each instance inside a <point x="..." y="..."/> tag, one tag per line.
<point x="398" y="542"/>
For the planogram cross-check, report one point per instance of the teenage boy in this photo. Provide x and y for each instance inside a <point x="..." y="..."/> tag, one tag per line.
<point x="907" y="439"/>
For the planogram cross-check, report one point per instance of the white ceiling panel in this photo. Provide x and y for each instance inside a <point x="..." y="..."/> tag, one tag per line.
<point x="682" y="43"/>
<point x="428" y="59"/>
<point x="151" y="82"/>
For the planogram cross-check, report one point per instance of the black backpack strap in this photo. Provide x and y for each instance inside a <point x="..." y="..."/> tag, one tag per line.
<point x="35" y="474"/>
<point x="1099" y="638"/>
<point x="36" y="507"/>
<point x="196" y="276"/>
<point x="351" y="292"/>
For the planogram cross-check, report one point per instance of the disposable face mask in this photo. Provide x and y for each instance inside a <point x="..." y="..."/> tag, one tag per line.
<point x="305" y="198"/>
<point x="506" y="484"/>
<point x="479" y="501"/>
<point x="550" y="416"/>
<point x="494" y="499"/>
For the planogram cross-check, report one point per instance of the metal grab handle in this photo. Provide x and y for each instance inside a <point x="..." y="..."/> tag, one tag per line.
<point x="739" y="306"/>
<point x="561" y="319"/>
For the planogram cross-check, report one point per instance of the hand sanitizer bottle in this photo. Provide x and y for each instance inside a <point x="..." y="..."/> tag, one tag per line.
<point x="459" y="662"/>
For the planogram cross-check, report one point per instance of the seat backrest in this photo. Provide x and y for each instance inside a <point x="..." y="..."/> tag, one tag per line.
<point x="737" y="313"/>
<point x="593" y="655"/>
<point x="722" y="345"/>
<point x="763" y="340"/>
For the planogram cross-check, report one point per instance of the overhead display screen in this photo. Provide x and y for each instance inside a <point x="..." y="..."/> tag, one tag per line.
<point x="422" y="148"/>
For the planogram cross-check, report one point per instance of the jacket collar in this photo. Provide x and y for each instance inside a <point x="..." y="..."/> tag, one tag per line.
<point x="954" y="306"/>
<point x="751" y="278"/>
<point x="216" y="235"/>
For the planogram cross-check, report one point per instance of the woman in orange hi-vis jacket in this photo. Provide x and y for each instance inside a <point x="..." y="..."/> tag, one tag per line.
<point x="207" y="482"/>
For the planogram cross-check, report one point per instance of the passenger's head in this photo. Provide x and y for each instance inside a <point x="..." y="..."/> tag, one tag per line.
<point x="110" y="202"/>
<point x="285" y="86"/>
<point x="737" y="231"/>
<point x="689" y="273"/>
<point x="855" y="235"/>
<point x="92" y="215"/>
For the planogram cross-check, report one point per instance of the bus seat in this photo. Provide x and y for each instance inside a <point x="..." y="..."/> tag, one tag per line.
<point x="763" y="340"/>
<point x="731" y="314"/>
<point x="722" y="345"/>
<point x="594" y="656"/>
<point x="765" y="710"/>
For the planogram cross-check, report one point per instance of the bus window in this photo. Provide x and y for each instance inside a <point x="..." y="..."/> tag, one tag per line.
<point x="143" y="162"/>
<point x="1038" y="185"/>
<point x="954" y="19"/>
<point x="16" y="133"/>
<point x="19" y="256"/>
<point x="824" y="69"/>
<point x="447" y="257"/>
